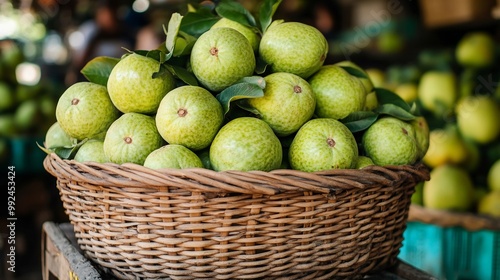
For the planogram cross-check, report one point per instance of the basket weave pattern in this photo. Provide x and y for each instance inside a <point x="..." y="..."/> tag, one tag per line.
<point x="139" y="223"/>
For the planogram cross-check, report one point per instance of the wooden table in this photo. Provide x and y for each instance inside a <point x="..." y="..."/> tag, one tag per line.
<point x="62" y="259"/>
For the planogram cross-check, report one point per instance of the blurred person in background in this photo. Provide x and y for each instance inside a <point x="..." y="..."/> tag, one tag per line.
<point x="104" y="35"/>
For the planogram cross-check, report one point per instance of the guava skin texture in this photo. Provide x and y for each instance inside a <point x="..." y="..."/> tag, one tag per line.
<point x="293" y="47"/>
<point x="337" y="92"/>
<point x="287" y="104"/>
<point x="131" y="138"/>
<point x="323" y="144"/>
<point x="220" y="57"/>
<point x="85" y="110"/>
<point x="390" y="141"/>
<point x="189" y="116"/>
<point x="246" y="144"/>
<point x="132" y="87"/>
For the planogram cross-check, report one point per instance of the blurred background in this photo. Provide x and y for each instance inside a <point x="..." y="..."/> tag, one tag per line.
<point x="45" y="43"/>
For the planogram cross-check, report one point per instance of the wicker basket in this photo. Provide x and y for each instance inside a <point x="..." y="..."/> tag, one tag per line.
<point x="139" y="223"/>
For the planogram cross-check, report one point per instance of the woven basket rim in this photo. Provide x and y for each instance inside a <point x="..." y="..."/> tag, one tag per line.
<point x="443" y="218"/>
<point x="132" y="175"/>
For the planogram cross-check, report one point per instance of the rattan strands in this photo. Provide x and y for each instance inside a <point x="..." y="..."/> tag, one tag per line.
<point x="139" y="223"/>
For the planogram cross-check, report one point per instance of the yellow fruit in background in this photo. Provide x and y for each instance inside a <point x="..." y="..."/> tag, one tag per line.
<point x="449" y="188"/>
<point x="490" y="204"/>
<point x="478" y="118"/>
<point x="377" y="76"/>
<point x="407" y="91"/>
<point x="475" y="49"/>
<point x="445" y="146"/>
<point x="494" y="176"/>
<point x="437" y="91"/>
<point x="371" y="101"/>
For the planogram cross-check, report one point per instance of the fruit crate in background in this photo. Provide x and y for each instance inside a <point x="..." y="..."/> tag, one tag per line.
<point x="24" y="154"/>
<point x="450" y="12"/>
<point x="453" y="252"/>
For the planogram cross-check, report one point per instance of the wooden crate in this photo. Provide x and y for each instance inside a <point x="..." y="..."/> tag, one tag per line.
<point x="62" y="260"/>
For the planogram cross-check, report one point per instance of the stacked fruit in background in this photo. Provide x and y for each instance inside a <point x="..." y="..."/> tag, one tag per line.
<point x="226" y="92"/>
<point x="459" y="95"/>
<point x="26" y="109"/>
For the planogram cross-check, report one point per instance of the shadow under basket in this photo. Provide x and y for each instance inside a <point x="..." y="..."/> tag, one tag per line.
<point x="139" y="223"/>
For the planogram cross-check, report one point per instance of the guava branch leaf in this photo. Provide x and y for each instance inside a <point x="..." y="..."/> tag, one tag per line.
<point x="234" y="11"/>
<point x="385" y="96"/>
<point x="360" y="120"/>
<point x="395" y="111"/>
<point x="98" y="69"/>
<point x="173" y="29"/>
<point x="266" y="13"/>
<point x="261" y="65"/>
<point x="64" y="152"/>
<point x="238" y="91"/>
<point x="181" y="73"/>
<point x="183" y="44"/>
<point x="355" y="72"/>
<point x="196" y="23"/>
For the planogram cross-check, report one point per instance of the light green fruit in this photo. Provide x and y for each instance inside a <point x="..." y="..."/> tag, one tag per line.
<point x="493" y="176"/>
<point x="438" y="91"/>
<point x="390" y="42"/>
<point x="376" y="76"/>
<point x="252" y="37"/>
<point x="173" y="156"/>
<point x="47" y="106"/>
<point x="131" y="138"/>
<point x="407" y="91"/>
<point x="132" y="87"/>
<point x="367" y="83"/>
<point x="390" y="141"/>
<point x="445" y="146"/>
<point x="449" y="188"/>
<point x="91" y="151"/>
<point x="371" y="101"/>
<point x="57" y="137"/>
<point x="418" y="196"/>
<point x="246" y="144"/>
<point x="421" y="128"/>
<point x="337" y="93"/>
<point x="7" y="126"/>
<point x="189" y="116"/>
<point x="323" y="144"/>
<point x="27" y="115"/>
<point x="293" y="47"/>
<point x="476" y="50"/>
<point x="363" y="161"/>
<point x="7" y="98"/>
<point x="85" y="110"/>
<point x="287" y="104"/>
<point x="221" y="57"/>
<point x="477" y="118"/>
<point x="490" y="204"/>
<point x="25" y="92"/>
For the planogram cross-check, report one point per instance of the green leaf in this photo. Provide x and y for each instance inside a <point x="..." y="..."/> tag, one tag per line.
<point x="385" y="96"/>
<point x="174" y="25"/>
<point x="360" y="120"/>
<point x="183" y="44"/>
<point x="355" y="72"/>
<point x="98" y="69"/>
<point x="395" y="111"/>
<point x="181" y="73"/>
<point x="64" y="152"/>
<point x="266" y="13"/>
<point x="198" y="22"/>
<point x="157" y="54"/>
<point x="234" y="11"/>
<point x="261" y="66"/>
<point x="238" y="91"/>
